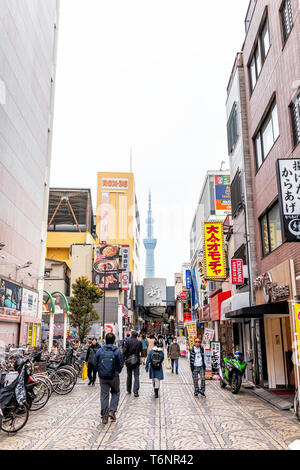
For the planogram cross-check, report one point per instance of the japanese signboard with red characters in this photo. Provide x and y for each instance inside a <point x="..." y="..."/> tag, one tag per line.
<point x="288" y="174"/>
<point x="214" y="251"/>
<point x="237" y="276"/>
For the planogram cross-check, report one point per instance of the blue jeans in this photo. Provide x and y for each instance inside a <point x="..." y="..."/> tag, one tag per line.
<point x="176" y="364"/>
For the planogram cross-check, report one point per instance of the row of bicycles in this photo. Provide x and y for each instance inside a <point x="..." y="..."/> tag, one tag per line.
<point x="38" y="376"/>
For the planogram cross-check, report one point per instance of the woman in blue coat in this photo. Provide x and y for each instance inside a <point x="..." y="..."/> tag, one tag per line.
<point x="154" y="364"/>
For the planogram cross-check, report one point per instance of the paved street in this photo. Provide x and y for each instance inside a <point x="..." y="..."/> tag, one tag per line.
<point x="176" y="421"/>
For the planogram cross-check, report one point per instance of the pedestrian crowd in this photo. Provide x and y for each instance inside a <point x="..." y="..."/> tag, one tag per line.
<point x="108" y="361"/>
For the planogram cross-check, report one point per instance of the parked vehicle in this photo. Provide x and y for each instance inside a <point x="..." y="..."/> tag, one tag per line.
<point x="231" y="372"/>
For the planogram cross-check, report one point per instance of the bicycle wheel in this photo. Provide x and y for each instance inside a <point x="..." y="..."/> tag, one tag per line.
<point x="72" y="370"/>
<point x="46" y="379"/>
<point x="63" y="382"/>
<point x="42" y="395"/>
<point x="14" y="420"/>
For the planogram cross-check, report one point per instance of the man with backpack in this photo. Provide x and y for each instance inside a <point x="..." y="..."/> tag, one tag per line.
<point x="109" y="364"/>
<point x="132" y="357"/>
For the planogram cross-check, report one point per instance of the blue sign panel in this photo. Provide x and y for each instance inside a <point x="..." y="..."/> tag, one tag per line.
<point x="188" y="279"/>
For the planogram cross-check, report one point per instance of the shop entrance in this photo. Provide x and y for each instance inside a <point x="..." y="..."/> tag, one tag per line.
<point x="279" y="352"/>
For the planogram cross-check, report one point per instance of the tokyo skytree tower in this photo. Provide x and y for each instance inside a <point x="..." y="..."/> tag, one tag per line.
<point x="150" y="243"/>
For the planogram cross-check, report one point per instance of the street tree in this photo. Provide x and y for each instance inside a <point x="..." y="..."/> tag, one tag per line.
<point x="81" y="303"/>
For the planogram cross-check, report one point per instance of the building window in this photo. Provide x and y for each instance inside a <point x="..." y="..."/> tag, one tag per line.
<point x="295" y="115"/>
<point x="271" y="230"/>
<point x="236" y="194"/>
<point x="286" y="19"/>
<point x="260" y="51"/>
<point x="266" y="135"/>
<point x="232" y="129"/>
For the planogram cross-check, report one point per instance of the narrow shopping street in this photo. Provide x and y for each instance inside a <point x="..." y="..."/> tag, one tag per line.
<point x="177" y="421"/>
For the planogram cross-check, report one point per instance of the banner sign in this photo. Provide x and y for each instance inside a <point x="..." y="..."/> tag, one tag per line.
<point x="181" y="340"/>
<point x="192" y="333"/>
<point x="288" y="177"/>
<point x="188" y="278"/>
<point x="106" y="256"/>
<point x="125" y="257"/>
<point x="207" y="337"/>
<point x="29" y="303"/>
<point x="237" y="276"/>
<point x="214" y="251"/>
<point x="125" y="280"/>
<point x="223" y="194"/>
<point x="297" y="325"/>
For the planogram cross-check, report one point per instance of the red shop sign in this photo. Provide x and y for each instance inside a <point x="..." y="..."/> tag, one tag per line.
<point x="237" y="276"/>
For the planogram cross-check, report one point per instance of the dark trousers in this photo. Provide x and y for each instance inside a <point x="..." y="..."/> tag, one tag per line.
<point x="176" y="364"/>
<point x="113" y="386"/>
<point x="92" y="372"/>
<point x="136" y="385"/>
<point x="196" y="372"/>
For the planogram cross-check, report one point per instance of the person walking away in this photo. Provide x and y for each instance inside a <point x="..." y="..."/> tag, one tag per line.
<point x="150" y="343"/>
<point x="145" y="344"/>
<point x="90" y="360"/>
<point x="109" y="364"/>
<point x="197" y="364"/>
<point x="132" y="358"/>
<point x="154" y="365"/>
<point x="174" y="354"/>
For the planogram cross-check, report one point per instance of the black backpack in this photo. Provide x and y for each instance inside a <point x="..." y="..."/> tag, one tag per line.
<point x="107" y="363"/>
<point x="156" y="360"/>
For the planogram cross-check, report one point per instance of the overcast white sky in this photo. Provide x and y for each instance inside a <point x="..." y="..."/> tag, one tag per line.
<point x="151" y="75"/>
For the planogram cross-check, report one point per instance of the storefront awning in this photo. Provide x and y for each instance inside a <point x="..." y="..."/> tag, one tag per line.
<point x="233" y="303"/>
<point x="258" y="311"/>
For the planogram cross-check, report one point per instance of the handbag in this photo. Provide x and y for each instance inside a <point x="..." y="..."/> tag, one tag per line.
<point x="168" y="365"/>
<point x="132" y="361"/>
<point x="84" y="372"/>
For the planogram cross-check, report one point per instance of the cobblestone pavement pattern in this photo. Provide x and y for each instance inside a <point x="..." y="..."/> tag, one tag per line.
<point x="176" y="421"/>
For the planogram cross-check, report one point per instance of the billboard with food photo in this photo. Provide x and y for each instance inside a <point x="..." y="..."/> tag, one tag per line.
<point x="106" y="257"/>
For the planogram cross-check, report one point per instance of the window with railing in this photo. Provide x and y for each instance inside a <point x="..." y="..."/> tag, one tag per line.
<point x="295" y="116"/>
<point x="232" y="129"/>
<point x="286" y="19"/>
<point x="270" y="226"/>
<point x="259" y="54"/>
<point x="266" y="135"/>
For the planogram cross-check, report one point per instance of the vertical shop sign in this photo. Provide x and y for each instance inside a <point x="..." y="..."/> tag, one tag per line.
<point x="30" y="334"/>
<point x="34" y="335"/>
<point x="216" y="355"/>
<point x="208" y="363"/>
<point x="214" y="251"/>
<point x="237" y="276"/>
<point x="288" y="177"/>
<point x="223" y="194"/>
<point x="125" y="280"/>
<point x="297" y="324"/>
<point x="104" y="215"/>
<point x="188" y="278"/>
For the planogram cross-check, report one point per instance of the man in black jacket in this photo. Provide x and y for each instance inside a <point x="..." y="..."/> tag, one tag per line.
<point x="132" y="354"/>
<point x="197" y="364"/>
<point x="90" y="359"/>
